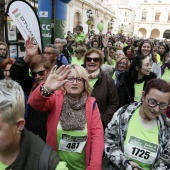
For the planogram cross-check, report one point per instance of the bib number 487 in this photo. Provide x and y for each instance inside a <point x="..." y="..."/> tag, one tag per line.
<point x="140" y="153"/>
<point x="72" y="145"/>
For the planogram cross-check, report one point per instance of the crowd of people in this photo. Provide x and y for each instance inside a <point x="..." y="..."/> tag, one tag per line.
<point x="85" y="98"/>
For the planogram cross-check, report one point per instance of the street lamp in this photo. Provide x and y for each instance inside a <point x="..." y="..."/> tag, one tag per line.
<point x="89" y="13"/>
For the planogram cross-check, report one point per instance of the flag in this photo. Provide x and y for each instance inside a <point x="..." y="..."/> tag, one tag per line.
<point x="26" y="20"/>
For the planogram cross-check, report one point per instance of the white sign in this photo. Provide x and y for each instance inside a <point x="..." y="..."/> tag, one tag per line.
<point x="43" y="14"/>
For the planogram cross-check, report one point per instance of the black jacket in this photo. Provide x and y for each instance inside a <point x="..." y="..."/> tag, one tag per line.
<point x="35" y="120"/>
<point x="29" y="155"/>
<point x="126" y="87"/>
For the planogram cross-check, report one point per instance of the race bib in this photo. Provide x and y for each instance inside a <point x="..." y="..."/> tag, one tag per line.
<point x="141" y="150"/>
<point x="72" y="144"/>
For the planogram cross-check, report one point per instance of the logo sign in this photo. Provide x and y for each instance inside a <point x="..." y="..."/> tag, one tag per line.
<point x="26" y="20"/>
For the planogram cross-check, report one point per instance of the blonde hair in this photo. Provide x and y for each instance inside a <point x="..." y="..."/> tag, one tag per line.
<point x="119" y="45"/>
<point x="83" y="74"/>
<point x="127" y="63"/>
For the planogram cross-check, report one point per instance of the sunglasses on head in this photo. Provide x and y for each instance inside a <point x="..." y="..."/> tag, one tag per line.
<point x="96" y="60"/>
<point x="40" y="73"/>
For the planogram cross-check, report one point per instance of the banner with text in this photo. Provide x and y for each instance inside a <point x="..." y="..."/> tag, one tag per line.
<point x="26" y="20"/>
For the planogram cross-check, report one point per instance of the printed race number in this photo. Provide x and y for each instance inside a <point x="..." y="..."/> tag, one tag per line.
<point x="140" y="153"/>
<point x="72" y="145"/>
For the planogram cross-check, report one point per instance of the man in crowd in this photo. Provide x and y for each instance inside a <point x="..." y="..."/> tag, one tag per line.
<point x="19" y="148"/>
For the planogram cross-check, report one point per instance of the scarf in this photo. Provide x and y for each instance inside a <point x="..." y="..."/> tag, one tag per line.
<point x="94" y="74"/>
<point x="73" y="113"/>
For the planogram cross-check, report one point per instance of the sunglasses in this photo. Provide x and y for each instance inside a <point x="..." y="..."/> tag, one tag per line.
<point x="96" y="60"/>
<point x="77" y="52"/>
<point x="40" y="73"/>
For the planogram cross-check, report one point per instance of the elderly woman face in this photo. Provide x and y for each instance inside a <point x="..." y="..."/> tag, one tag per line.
<point x="122" y="64"/>
<point x="75" y="84"/>
<point x="119" y="53"/>
<point x="92" y="62"/>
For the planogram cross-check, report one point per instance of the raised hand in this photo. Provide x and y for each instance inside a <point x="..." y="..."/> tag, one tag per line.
<point x="57" y="78"/>
<point x="31" y="48"/>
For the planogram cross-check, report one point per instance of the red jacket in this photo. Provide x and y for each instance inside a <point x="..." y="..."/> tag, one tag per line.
<point x="95" y="138"/>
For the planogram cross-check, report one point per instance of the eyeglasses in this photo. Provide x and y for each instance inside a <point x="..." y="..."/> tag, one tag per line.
<point x="2" y="49"/>
<point x="40" y="73"/>
<point x="96" y="60"/>
<point x="48" y="53"/>
<point x="122" y="63"/>
<point x="153" y="103"/>
<point x="78" y="80"/>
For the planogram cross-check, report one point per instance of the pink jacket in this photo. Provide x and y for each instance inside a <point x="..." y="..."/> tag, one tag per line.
<point x="95" y="138"/>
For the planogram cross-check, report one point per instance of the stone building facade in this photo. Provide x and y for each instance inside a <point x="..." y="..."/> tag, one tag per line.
<point x="152" y="19"/>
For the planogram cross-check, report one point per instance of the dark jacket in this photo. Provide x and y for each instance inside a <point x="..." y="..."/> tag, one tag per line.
<point x="29" y="155"/>
<point x="35" y="120"/>
<point x="126" y="88"/>
<point x="19" y="72"/>
<point x="106" y="96"/>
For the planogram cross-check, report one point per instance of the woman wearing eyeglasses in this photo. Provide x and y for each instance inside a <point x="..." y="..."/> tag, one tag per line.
<point x="138" y="135"/>
<point x="104" y="89"/>
<point x="74" y="127"/>
<point x="122" y="65"/>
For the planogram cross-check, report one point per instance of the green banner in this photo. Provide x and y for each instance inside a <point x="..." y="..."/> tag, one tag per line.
<point x="46" y="30"/>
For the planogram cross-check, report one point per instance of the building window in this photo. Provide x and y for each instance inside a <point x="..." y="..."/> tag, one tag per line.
<point x="157" y="16"/>
<point x="169" y="16"/>
<point x="145" y="1"/>
<point x="159" y="1"/>
<point x="125" y="13"/>
<point x="144" y="14"/>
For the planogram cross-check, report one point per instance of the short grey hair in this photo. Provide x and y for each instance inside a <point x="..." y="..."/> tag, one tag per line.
<point x="12" y="103"/>
<point x="56" y="50"/>
<point x="64" y="41"/>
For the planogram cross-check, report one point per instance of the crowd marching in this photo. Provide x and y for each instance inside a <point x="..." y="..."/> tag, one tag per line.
<point x="87" y="98"/>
